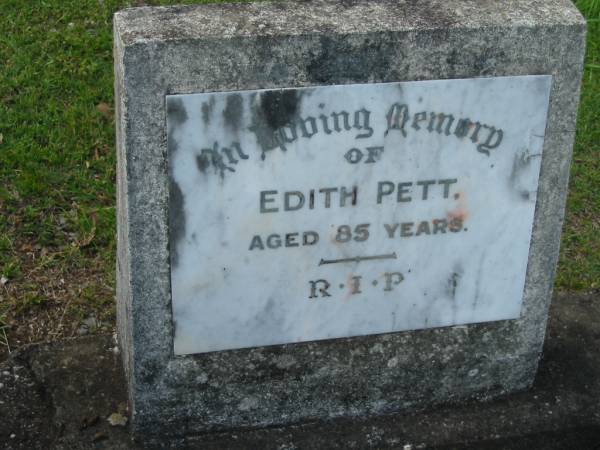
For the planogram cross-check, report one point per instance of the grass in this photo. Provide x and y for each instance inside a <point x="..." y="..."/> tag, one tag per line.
<point x="57" y="169"/>
<point x="579" y="266"/>
<point x="589" y="8"/>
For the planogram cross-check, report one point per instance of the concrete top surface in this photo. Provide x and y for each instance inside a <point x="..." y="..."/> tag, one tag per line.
<point x="59" y="396"/>
<point x="222" y="21"/>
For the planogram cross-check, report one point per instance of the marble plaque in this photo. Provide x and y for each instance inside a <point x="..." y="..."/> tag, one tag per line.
<point x="335" y="211"/>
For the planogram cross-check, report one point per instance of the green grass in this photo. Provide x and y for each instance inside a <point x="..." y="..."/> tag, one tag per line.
<point x="579" y="266"/>
<point x="56" y="160"/>
<point x="589" y="8"/>
<point x="57" y="167"/>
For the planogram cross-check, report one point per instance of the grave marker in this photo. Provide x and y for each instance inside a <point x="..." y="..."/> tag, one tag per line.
<point x="332" y="209"/>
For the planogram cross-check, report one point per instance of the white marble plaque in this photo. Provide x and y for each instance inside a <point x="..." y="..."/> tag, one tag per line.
<point x="334" y="211"/>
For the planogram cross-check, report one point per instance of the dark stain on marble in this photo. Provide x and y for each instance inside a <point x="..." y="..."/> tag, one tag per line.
<point x="176" y="220"/>
<point x="207" y="109"/>
<point x="234" y="110"/>
<point x="271" y="111"/>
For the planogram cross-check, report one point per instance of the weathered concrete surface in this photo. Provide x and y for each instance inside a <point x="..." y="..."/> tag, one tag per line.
<point x="210" y="48"/>
<point x="58" y="396"/>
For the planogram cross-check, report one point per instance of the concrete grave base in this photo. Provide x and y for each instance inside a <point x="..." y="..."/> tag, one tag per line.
<point x="210" y="48"/>
<point x="59" y="396"/>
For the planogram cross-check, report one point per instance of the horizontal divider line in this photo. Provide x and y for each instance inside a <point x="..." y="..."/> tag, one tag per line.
<point x="358" y="259"/>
